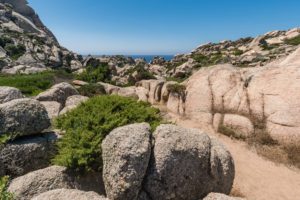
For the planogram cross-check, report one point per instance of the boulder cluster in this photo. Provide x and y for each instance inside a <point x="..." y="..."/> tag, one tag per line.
<point x="172" y="163"/>
<point x="25" y="121"/>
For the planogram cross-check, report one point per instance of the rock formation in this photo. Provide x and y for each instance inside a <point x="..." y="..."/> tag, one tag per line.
<point x="184" y="164"/>
<point x="26" y="45"/>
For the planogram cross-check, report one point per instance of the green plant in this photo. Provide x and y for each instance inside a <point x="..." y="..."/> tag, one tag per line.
<point x="230" y="133"/>
<point x="237" y="52"/>
<point x="86" y="126"/>
<point x="4" y="40"/>
<point x="91" y="90"/>
<point x="177" y="88"/>
<point x="4" y="194"/>
<point x="293" y="41"/>
<point x="15" y="51"/>
<point x="96" y="74"/>
<point x="33" y="84"/>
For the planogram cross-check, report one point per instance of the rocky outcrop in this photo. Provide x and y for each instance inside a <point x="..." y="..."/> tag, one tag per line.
<point x="9" y="93"/>
<point x="184" y="164"/>
<point x="59" y="93"/>
<point x="38" y="182"/>
<point x="27" y="154"/>
<point x="23" y="117"/>
<point x="126" y="148"/>
<point x="27" y="46"/>
<point x="67" y="194"/>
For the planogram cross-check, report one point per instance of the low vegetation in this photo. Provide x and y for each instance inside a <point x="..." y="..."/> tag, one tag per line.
<point x="293" y="41"/>
<point x="208" y="60"/>
<point x="92" y="89"/>
<point x="13" y="50"/>
<point x="94" y="74"/>
<point x="86" y="127"/>
<point x="33" y="84"/>
<point x="4" y="194"/>
<point x="177" y="88"/>
<point x="230" y="133"/>
<point x="141" y="74"/>
<point x="267" y="147"/>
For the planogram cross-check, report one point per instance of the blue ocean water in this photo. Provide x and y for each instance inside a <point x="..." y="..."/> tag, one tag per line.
<point x="148" y="58"/>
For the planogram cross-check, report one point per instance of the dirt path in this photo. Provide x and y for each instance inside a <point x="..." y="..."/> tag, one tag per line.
<point x="256" y="178"/>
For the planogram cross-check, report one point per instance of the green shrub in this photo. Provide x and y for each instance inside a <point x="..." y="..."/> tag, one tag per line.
<point x="238" y="52"/>
<point x="5" y="40"/>
<point x="4" y="194"/>
<point x="33" y="84"/>
<point x="293" y="41"/>
<point x="230" y="133"/>
<point x="100" y="73"/>
<point x="91" y="90"/>
<point x="141" y="74"/>
<point x="15" y="51"/>
<point x="177" y="88"/>
<point x="208" y="60"/>
<point x="86" y="126"/>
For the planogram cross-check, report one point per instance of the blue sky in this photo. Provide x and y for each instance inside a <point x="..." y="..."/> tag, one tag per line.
<point x="148" y="27"/>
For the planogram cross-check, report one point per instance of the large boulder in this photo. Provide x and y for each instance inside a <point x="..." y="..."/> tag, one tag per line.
<point x="72" y="102"/>
<point x="126" y="152"/>
<point x="67" y="194"/>
<point x="250" y="98"/>
<point x="9" y="93"/>
<point x="27" y="154"/>
<point x="23" y="117"/>
<point x="59" y="92"/>
<point x="53" y="108"/>
<point x="38" y="182"/>
<point x="186" y="164"/>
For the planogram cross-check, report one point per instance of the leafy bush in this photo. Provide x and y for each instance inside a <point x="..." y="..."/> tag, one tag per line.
<point x="33" y="84"/>
<point x="15" y="51"/>
<point x="5" y="40"/>
<point x="141" y="74"/>
<point x="86" y="126"/>
<point x="177" y="88"/>
<point x="238" y="52"/>
<point x="91" y="90"/>
<point x="100" y="73"/>
<point x="293" y="41"/>
<point x="208" y="60"/>
<point x="4" y="194"/>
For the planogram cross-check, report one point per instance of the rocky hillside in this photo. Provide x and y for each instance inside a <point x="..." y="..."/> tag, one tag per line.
<point x="26" y="45"/>
<point x="242" y="53"/>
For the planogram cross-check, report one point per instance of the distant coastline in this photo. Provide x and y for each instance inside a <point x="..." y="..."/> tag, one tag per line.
<point x="148" y="58"/>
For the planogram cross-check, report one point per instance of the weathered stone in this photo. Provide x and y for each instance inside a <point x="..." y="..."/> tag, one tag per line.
<point x="186" y="164"/>
<point x="53" y="108"/>
<point x="23" y="117"/>
<point x="59" y="92"/>
<point x="72" y="102"/>
<point x="27" y="154"/>
<point x="218" y="196"/>
<point x="67" y="194"/>
<point x="241" y="125"/>
<point x="9" y="93"/>
<point x="126" y="154"/>
<point x="37" y="182"/>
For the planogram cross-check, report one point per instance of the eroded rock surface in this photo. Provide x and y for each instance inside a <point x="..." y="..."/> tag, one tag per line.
<point x="23" y="117"/>
<point x="126" y="154"/>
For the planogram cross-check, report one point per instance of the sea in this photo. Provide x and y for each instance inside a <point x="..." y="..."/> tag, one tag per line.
<point x="148" y="58"/>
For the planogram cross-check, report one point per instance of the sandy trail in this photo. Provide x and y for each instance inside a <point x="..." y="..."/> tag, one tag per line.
<point x="256" y="178"/>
